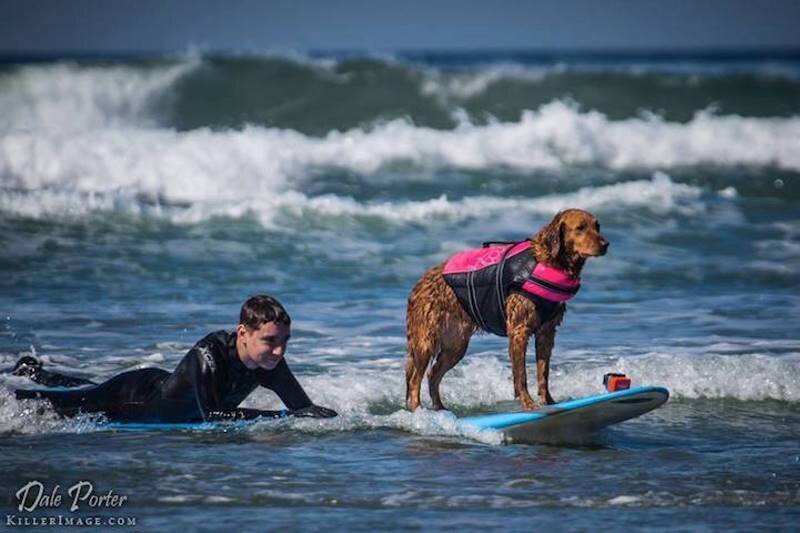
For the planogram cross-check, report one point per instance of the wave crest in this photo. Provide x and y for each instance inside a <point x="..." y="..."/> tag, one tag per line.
<point x="203" y="165"/>
<point x="66" y="98"/>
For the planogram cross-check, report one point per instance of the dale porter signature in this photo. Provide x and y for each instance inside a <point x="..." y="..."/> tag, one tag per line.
<point x="33" y="496"/>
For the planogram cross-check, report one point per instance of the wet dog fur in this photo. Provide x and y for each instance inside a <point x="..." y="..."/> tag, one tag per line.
<point x="438" y="329"/>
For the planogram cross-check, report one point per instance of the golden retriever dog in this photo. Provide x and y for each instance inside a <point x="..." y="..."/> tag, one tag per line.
<point x="531" y="280"/>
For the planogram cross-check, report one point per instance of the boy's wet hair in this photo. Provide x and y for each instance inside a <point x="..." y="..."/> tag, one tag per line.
<point x="260" y="309"/>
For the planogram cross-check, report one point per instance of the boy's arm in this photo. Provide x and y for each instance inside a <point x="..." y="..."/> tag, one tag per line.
<point x="285" y="385"/>
<point x="281" y="380"/>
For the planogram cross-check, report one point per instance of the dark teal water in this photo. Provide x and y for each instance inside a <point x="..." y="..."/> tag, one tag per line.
<point x="141" y="201"/>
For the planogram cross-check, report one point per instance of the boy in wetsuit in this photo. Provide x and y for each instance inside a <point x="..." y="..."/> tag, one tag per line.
<point x="209" y="383"/>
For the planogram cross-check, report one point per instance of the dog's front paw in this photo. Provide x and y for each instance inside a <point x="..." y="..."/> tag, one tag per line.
<point x="528" y="404"/>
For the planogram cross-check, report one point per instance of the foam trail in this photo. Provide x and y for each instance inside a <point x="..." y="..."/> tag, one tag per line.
<point x="659" y="194"/>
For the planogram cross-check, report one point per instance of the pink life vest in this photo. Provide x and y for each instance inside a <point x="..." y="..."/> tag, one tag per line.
<point x="482" y="279"/>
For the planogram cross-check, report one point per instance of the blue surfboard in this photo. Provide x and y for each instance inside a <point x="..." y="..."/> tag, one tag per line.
<point x="573" y="420"/>
<point x="179" y="426"/>
<point x="565" y="422"/>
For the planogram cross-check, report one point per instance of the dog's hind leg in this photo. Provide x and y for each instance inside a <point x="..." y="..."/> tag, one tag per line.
<point x="420" y="353"/>
<point x="452" y="352"/>
<point x="434" y="323"/>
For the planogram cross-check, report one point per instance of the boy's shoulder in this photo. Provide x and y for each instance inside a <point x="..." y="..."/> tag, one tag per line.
<point x="216" y="344"/>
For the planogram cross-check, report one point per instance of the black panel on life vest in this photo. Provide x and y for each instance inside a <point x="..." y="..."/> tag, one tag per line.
<point x="482" y="292"/>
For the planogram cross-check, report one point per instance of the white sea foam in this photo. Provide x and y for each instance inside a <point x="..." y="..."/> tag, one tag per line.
<point x="473" y="83"/>
<point x="31" y="417"/>
<point x="743" y="377"/>
<point x="483" y="382"/>
<point x="421" y="422"/>
<point x="371" y="396"/>
<point x="65" y="98"/>
<point x="259" y="162"/>
<point x="659" y="194"/>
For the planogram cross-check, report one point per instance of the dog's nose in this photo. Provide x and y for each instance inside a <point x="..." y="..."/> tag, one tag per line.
<point x="603" y="246"/>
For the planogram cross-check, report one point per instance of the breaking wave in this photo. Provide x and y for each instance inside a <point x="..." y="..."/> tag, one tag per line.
<point x="66" y="98"/>
<point x="203" y="164"/>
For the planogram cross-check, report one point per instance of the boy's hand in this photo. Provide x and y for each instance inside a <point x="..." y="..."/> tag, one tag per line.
<point x="313" y="411"/>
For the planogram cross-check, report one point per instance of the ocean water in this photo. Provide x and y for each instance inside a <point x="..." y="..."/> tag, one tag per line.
<point x="142" y="200"/>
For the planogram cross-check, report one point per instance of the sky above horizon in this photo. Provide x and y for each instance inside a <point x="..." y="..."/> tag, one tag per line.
<point x="92" y="26"/>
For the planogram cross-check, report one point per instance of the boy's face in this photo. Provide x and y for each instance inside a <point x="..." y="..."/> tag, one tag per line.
<point x="263" y="347"/>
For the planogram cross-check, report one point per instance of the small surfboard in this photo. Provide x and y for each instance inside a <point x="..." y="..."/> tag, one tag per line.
<point x="573" y="420"/>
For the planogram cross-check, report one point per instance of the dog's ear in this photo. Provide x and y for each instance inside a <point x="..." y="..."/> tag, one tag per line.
<point x="552" y="235"/>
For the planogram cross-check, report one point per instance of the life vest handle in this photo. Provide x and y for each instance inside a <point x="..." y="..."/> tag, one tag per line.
<point x="492" y="243"/>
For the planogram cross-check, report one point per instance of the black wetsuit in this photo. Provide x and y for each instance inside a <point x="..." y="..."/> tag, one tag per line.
<point x="208" y="384"/>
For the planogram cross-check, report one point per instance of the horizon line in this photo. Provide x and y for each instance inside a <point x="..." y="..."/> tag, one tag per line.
<point x="531" y="53"/>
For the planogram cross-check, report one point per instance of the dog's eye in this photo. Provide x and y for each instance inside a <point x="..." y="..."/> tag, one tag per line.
<point x="582" y="227"/>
